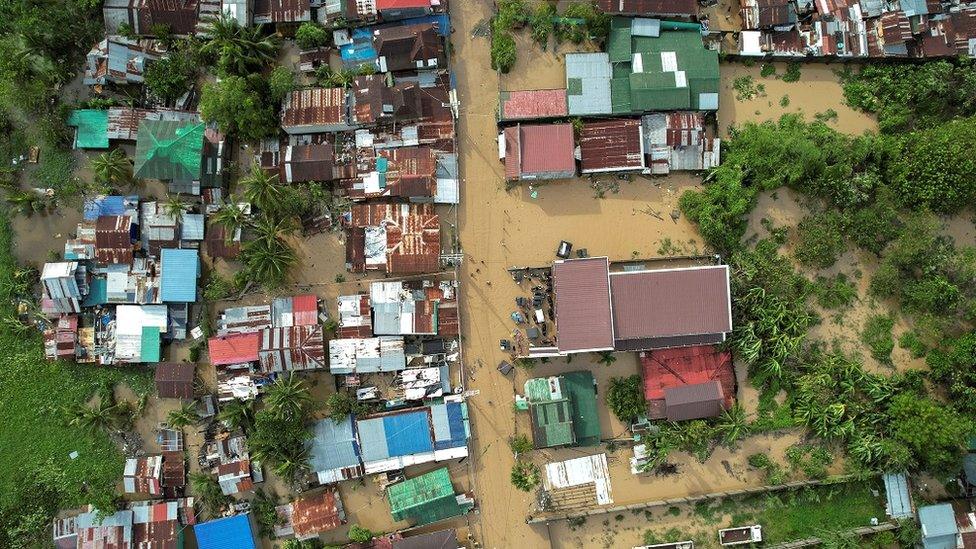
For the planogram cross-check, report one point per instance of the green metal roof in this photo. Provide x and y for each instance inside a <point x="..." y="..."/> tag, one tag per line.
<point x="169" y="149"/>
<point x="425" y="499"/>
<point x="620" y="95"/>
<point x="150" y="348"/>
<point x="581" y="388"/>
<point x="91" y="128"/>
<point x="552" y="424"/>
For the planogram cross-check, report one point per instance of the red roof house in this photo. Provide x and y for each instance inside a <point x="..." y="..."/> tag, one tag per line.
<point x="582" y="307"/>
<point x="309" y="516"/>
<point x="687" y="382"/>
<point x="539" y="152"/>
<point x="673" y="8"/>
<point x="234" y="348"/>
<point x="612" y="146"/>
<point x="532" y="104"/>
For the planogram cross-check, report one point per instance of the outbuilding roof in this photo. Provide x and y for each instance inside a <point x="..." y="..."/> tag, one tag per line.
<point x="175" y="379"/>
<point x="180" y="270"/>
<point x="584" y="321"/>
<point x="694" y="401"/>
<point x="532" y="104"/>
<point x="612" y="145"/>
<point x="234" y="348"/>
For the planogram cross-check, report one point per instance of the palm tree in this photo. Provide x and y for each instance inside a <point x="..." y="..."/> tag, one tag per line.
<point x="232" y="218"/>
<point x="183" y="416"/>
<point x="175" y="207"/>
<point x="273" y="228"/>
<point x="92" y="418"/>
<point x="237" y="49"/>
<point x="112" y="168"/>
<point x="238" y="414"/>
<point x="207" y="488"/>
<point x="291" y="466"/>
<point x="269" y="262"/>
<point x="606" y="358"/>
<point x="26" y="202"/>
<point x="732" y="425"/>
<point x="288" y="397"/>
<point x="261" y="188"/>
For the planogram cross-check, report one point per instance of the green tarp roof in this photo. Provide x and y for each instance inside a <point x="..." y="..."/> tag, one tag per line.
<point x="169" y="149"/>
<point x="91" y="128"/>
<point x="425" y="499"/>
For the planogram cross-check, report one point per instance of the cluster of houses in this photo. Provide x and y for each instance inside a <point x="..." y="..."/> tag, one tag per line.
<point x="642" y="107"/>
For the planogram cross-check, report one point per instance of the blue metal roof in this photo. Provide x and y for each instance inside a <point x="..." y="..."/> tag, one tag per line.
<point x="395" y="435"/>
<point x="938" y="526"/>
<point x="97" y="293"/>
<point x="449" y="421"/>
<point x="180" y="269"/>
<point x="226" y="533"/>
<point x="98" y="206"/>
<point x="333" y="445"/>
<point x="899" y="500"/>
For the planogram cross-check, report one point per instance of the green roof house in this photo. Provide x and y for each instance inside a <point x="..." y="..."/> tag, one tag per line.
<point x="427" y="499"/>
<point x="91" y="128"/>
<point x="169" y="150"/>
<point x="563" y="410"/>
<point x="660" y="66"/>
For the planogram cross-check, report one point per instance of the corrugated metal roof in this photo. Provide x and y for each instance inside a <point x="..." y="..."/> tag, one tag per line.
<point x="191" y="227"/>
<point x="899" y="500"/>
<point x="175" y="379"/>
<point x="687" y="301"/>
<point x="281" y="11"/>
<point x="226" y="533"/>
<point x="667" y="368"/>
<point x="395" y="434"/>
<point x="531" y="104"/>
<point x="540" y="152"/>
<point x="588" y="83"/>
<point x="333" y="445"/>
<point x="580" y="471"/>
<point x="687" y="8"/>
<point x="167" y="149"/>
<point x="411" y="233"/>
<point x="694" y="401"/>
<point x="552" y="424"/>
<point x="234" y="348"/>
<point x="295" y="348"/>
<point x="611" y="145"/>
<point x="584" y="321"/>
<point x="151" y="342"/>
<point x="316" y="514"/>
<point x="180" y="271"/>
<point x="315" y="107"/>
<point x="424" y="499"/>
<point x="938" y="526"/>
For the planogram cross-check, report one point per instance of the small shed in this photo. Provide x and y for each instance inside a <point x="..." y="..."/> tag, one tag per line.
<point x="899" y="499"/>
<point x="427" y="499"/>
<point x="175" y="379"/>
<point x="696" y="401"/>
<point x="225" y="533"/>
<point x="939" y="529"/>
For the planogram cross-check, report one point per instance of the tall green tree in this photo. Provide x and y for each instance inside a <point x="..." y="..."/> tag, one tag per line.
<point x="112" y="168"/>
<point x="239" y="107"/>
<point x="288" y="397"/>
<point x="262" y="188"/>
<point x="237" y="50"/>
<point x="237" y="414"/>
<point x="269" y="262"/>
<point x="937" y="435"/>
<point x="625" y="398"/>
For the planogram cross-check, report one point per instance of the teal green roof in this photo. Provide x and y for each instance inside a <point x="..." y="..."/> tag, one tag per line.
<point x="552" y="424"/>
<point x="169" y="149"/>
<point x="567" y="418"/>
<point x="620" y="95"/>
<point x="150" y="348"/>
<point x="425" y="499"/>
<point x="91" y="128"/>
<point x="581" y="388"/>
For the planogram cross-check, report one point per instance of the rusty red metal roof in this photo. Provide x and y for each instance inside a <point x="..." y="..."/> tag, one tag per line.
<point x="413" y="242"/>
<point x="175" y="379"/>
<point x="217" y="244"/>
<point x="308" y="163"/>
<point x="584" y="321"/>
<point x="313" y="515"/>
<point x="314" y="107"/>
<point x="649" y="7"/>
<point x="174" y="470"/>
<point x="234" y="348"/>
<point x="669" y="368"/>
<point x="403" y="47"/>
<point x="179" y="15"/>
<point x="539" y="152"/>
<point x="113" y="239"/>
<point x="611" y="145"/>
<point x="671" y="302"/>
<point x="530" y="104"/>
<point x="281" y="11"/>
<point x="294" y="348"/>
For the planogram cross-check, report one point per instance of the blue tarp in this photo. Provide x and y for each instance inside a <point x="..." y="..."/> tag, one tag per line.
<point x="361" y="50"/>
<point x="408" y="433"/>
<point x="98" y="206"/>
<point x="179" y="279"/>
<point x="226" y="533"/>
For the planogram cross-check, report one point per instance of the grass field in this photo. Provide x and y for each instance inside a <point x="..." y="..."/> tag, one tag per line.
<point x="37" y="476"/>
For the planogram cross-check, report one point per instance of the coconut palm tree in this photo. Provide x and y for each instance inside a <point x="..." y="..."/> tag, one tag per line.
<point x="607" y="358"/>
<point x="269" y="262"/>
<point x="183" y="416"/>
<point x="238" y="414"/>
<point x="232" y="218"/>
<point x="237" y="49"/>
<point x="293" y="464"/>
<point x="273" y="228"/>
<point x="261" y="188"/>
<point x="92" y="418"/>
<point x="207" y="488"/>
<point x="175" y="207"/>
<point x="112" y="168"/>
<point x="288" y="397"/>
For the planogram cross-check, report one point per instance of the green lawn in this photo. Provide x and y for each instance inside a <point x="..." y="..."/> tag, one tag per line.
<point x="36" y="473"/>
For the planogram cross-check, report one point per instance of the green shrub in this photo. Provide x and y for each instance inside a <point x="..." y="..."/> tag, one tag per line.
<point x="503" y="51"/>
<point x="720" y="209"/>
<point x="625" y="398"/>
<point x="767" y="70"/>
<point x="877" y="336"/>
<point x="311" y="35"/>
<point x="911" y="341"/>
<point x="834" y="293"/>
<point x="820" y="239"/>
<point x="792" y="73"/>
<point x="525" y="476"/>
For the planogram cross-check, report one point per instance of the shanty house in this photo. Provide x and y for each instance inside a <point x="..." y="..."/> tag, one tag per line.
<point x="532" y="105"/>
<point x="117" y="60"/>
<point x="303" y="163"/>
<point x="299" y="310"/>
<point x="296" y="348"/>
<point x="427" y="499"/>
<point x="316" y="110"/>
<point x="578" y="482"/>
<point x="92" y="529"/>
<point x="114" y="236"/>
<point x="682" y="383"/>
<point x="535" y="152"/>
<point x="397" y="238"/>
<point x="143" y="476"/>
<point x="281" y="11"/>
<point x="394" y="440"/>
<point x="61" y="339"/>
<point x="334" y="453"/>
<point x="169" y="150"/>
<point x="63" y="283"/>
<point x="234" y="348"/>
<point x="141" y="16"/>
<point x="412" y="308"/>
<point x="661" y="66"/>
<point x="678" y="141"/>
<point x="612" y="146"/>
<point x="408" y="48"/>
<point x="355" y="316"/>
<point x="939" y="528"/>
<point x="563" y="410"/>
<point x="161" y="523"/>
<point x="235" y="476"/>
<point x="138" y="332"/>
<point x="367" y="355"/>
<point x="180" y="271"/>
<point x="175" y="379"/>
<point x="223" y="533"/>
<point x="311" y="515"/>
<point x="664" y="8"/>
